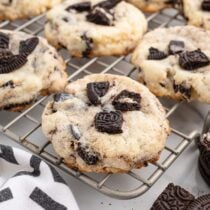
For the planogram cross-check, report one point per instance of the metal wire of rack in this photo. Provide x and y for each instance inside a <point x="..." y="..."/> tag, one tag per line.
<point x="23" y="126"/>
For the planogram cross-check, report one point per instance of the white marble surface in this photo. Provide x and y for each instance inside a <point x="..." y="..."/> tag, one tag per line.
<point x="183" y="172"/>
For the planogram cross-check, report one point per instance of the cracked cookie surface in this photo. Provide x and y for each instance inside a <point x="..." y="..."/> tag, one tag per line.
<point x="183" y="73"/>
<point x="29" y="67"/>
<point x="19" y="9"/>
<point x="125" y="129"/>
<point x="95" y="27"/>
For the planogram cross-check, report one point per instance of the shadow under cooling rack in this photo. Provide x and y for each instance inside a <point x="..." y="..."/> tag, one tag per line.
<point x="25" y="127"/>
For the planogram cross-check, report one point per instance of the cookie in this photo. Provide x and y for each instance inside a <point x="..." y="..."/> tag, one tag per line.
<point x="201" y="203"/>
<point x="106" y="123"/>
<point x="174" y="62"/>
<point x="152" y="5"/>
<point x="95" y="27"/>
<point x="204" y="158"/>
<point x="29" y="66"/>
<point x="197" y="12"/>
<point x="173" y="197"/>
<point x="19" y="9"/>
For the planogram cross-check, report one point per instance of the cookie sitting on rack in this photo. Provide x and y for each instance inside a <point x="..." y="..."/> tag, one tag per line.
<point x="152" y="5"/>
<point x="175" y="62"/>
<point x="95" y="27"/>
<point x="19" y="9"/>
<point x="29" y="66"/>
<point x="106" y="123"/>
<point x="198" y="12"/>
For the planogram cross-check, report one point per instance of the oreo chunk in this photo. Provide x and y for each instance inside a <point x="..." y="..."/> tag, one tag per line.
<point x="155" y="54"/>
<point x="9" y="84"/>
<point x="185" y="90"/>
<point x="28" y="46"/>
<point x="59" y="97"/>
<point x="75" y="132"/>
<point x="80" y="7"/>
<point x="193" y="60"/>
<point x="205" y="6"/>
<point x="201" y="203"/>
<point x="90" y="157"/>
<point x="173" y="197"/>
<point x="89" y="45"/>
<point x="108" y="4"/>
<point x="97" y="90"/>
<point x="4" y="41"/>
<point x="109" y="122"/>
<point x="176" y="47"/>
<point x="10" y="62"/>
<point x="127" y="101"/>
<point x="100" y="17"/>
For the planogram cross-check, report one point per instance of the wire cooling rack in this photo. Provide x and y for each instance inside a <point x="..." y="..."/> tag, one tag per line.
<point x="25" y="127"/>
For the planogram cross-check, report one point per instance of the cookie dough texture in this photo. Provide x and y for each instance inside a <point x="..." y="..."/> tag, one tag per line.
<point x="195" y="15"/>
<point x="151" y="5"/>
<point x="143" y="137"/>
<point x="83" y="38"/>
<point x="162" y="77"/>
<point x="43" y="73"/>
<point x="18" y="9"/>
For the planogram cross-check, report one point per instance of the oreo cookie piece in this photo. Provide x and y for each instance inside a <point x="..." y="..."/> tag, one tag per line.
<point x="173" y="197"/>
<point x="155" y="54"/>
<point x="80" y="7"/>
<point x="62" y="97"/>
<point x="108" y="4"/>
<point x="205" y="5"/>
<point x="100" y="16"/>
<point x="201" y="203"/>
<point x="109" y="122"/>
<point x="97" y="90"/>
<point x="89" y="45"/>
<point x="184" y="89"/>
<point x="176" y="47"/>
<point x="193" y="60"/>
<point x="28" y="46"/>
<point x="127" y="101"/>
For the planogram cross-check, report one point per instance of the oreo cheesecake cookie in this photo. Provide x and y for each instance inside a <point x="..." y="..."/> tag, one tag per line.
<point x="173" y="197"/>
<point x="29" y="67"/>
<point x="106" y="123"/>
<point x="204" y="158"/>
<point x="152" y="5"/>
<point x="19" y="9"/>
<point x="197" y="12"/>
<point x="176" y="66"/>
<point x="90" y="28"/>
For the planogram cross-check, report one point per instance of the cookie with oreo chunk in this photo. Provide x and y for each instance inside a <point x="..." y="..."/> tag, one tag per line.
<point x="106" y="123"/>
<point x="19" y="9"/>
<point x="89" y="28"/>
<point x="176" y="66"/>
<point x="29" y="67"/>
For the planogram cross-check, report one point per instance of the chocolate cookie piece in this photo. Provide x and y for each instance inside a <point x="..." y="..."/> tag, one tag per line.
<point x="173" y="197"/>
<point x="184" y="89"/>
<point x="97" y="90"/>
<point x="205" y="5"/>
<point x="155" y="54"/>
<point x="108" y="4"/>
<point x="201" y="203"/>
<point x="80" y="7"/>
<point x="176" y="47"/>
<point x="109" y="122"/>
<point x="4" y="41"/>
<point x="193" y="60"/>
<point x="28" y="46"/>
<point x="203" y="173"/>
<point x="127" y="101"/>
<point x="62" y="97"/>
<point x="89" y="45"/>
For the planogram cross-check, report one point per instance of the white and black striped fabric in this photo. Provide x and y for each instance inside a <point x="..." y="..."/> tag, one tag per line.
<point x="28" y="183"/>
